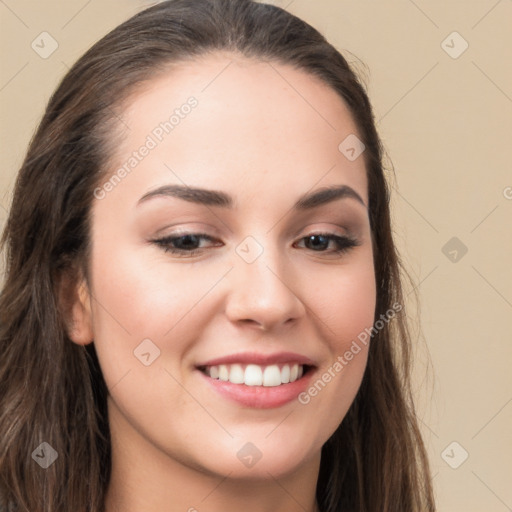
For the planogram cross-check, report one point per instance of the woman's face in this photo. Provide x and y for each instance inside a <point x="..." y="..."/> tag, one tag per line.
<point x="260" y="300"/>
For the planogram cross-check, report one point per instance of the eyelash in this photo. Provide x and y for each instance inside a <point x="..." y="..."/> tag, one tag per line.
<point x="344" y="243"/>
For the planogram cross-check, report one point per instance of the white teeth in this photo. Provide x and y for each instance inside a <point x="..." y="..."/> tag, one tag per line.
<point x="255" y="375"/>
<point x="294" y="372"/>
<point x="236" y="374"/>
<point x="223" y="372"/>
<point x="272" y="376"/>
<point x="285" y="374"/>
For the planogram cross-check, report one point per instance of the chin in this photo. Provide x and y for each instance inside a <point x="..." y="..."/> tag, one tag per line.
<point x="246" y="460"/>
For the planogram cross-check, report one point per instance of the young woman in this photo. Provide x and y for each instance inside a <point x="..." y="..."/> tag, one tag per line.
<point x="202" y="307"/>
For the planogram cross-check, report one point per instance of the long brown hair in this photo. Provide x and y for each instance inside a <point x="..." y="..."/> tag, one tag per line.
<point x="53" y="390"/>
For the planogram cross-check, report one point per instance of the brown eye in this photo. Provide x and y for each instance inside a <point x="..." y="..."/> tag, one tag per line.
<point x="318" y="242"/>
<point x="185" y="244"/>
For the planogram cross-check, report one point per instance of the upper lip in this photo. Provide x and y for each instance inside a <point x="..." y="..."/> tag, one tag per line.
<point x="260" y="359"/>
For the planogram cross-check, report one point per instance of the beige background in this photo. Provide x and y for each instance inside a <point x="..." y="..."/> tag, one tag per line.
<point x="446" y="123"/>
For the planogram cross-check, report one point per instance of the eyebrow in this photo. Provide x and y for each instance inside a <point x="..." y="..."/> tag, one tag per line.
<point x="208" y="197"/>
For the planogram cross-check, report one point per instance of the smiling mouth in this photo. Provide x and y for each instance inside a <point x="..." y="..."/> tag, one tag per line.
<point x="257" y="375"/>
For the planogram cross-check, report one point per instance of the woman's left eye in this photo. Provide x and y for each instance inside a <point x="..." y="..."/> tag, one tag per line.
<point x="341" y="243"/>
<point x="188" y="244"/>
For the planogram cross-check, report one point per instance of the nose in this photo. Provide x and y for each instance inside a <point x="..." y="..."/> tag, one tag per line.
<point x="264" y="293"/>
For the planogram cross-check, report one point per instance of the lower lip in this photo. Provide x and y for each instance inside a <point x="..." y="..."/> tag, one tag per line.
<point x="260" y="397"/>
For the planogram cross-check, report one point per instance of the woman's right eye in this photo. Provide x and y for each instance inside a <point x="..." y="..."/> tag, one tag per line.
<point x="185" y="243"/>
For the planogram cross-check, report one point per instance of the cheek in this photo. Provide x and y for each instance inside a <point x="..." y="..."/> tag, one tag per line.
<point x="347" y="303"/>
<point x="346" y="309"/>
<point x="136" y="300"/>
<point x="145" y="295"/>
<point x="147" y="312"/>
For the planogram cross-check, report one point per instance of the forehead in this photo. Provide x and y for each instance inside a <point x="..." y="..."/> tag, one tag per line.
<point x="250" y="120"/>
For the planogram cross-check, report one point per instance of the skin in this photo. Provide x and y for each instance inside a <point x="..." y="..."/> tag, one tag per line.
<point x="254" y="136"/>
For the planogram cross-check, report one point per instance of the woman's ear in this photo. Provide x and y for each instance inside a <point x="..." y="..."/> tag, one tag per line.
<point x="75" y="307"/>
